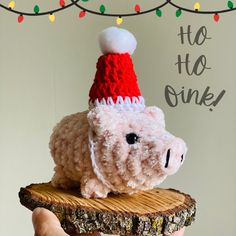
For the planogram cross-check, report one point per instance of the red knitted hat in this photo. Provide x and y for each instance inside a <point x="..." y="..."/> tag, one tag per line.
<point x="115" y="81"/>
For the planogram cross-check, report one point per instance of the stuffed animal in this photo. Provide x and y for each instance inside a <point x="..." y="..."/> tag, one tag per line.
<point x="118" y="145"/>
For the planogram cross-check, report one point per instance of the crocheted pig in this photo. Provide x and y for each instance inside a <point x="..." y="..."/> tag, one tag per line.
<point x="119" y="145"/>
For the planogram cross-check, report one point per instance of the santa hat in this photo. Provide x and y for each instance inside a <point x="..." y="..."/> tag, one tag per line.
<point x="115" y="83"/>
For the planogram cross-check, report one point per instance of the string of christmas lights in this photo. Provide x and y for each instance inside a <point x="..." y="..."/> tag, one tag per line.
<point x="102" y="11"/>
<point x="36" y="10"/>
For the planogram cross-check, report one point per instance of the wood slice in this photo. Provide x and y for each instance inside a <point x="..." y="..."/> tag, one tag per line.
<point x="155" y="212"/>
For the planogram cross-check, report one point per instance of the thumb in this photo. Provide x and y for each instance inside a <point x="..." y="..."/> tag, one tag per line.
<point x="179" y="233"/>
<point x="46" y="223"/>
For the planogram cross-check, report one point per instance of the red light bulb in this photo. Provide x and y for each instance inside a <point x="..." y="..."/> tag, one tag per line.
<point x="62" y="3"/>
<point x="82" y="14"/>
<point x="20" y="18"/>
<point x="137" y="8"/>
<point x="216" y="17"/>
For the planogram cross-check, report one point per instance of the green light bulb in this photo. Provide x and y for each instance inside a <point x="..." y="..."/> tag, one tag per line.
<point x="178" y="13"/>
<point x="158" y="12"/>
<point x="36" y="9"/>
<point x="230" y="5"/>
<point x="102" y="9"/>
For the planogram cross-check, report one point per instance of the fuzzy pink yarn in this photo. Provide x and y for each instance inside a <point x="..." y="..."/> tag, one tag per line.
<point x="91" y="151"/>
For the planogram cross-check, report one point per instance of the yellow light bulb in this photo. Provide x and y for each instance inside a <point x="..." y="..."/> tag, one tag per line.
<point x="197" y="6"/>
<point x="119" y="20"/>
<point x="52" y="17"/>
<point x="11" y="4"/>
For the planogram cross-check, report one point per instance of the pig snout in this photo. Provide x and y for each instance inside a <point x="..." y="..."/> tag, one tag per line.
<point x="173" y="156"/>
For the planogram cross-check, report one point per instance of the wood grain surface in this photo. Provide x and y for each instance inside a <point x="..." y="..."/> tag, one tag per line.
<point x="155" y="212"/>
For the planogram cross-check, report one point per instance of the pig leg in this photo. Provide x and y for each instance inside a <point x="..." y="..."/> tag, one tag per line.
<point x="61" y="180"/>
<point x="91" y="187"/>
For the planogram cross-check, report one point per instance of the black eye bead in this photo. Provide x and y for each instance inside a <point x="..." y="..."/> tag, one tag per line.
<point x="132" y="138"/>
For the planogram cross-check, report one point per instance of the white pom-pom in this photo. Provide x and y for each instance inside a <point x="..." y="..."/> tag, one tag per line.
<point x="117" y="40"/>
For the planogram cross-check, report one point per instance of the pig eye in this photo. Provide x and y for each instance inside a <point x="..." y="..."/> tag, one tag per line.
<point x="132" y="138"/>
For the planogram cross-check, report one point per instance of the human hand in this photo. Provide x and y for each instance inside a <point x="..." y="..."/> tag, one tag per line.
<point x="47" y="224"/>
<point x="179" y="233"/>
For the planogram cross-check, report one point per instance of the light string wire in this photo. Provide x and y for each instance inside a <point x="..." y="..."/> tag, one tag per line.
<point x="75" y="3"/>
<point x="201" y="12"/>
<point x="121" y="14"/>
<point x="40" y="13"/>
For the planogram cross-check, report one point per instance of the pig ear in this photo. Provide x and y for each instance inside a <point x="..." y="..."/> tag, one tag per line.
<point x="157" y="114"/>
<point x="102" y="118"/>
